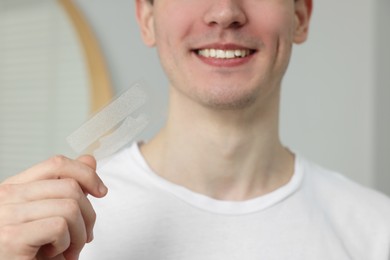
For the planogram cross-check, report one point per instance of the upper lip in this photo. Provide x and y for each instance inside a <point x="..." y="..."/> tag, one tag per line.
<point x="224" y="46"/>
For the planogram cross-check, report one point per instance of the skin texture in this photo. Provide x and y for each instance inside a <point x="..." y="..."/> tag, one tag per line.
<point x="223" y="116"/>
<point x="44" y="211"/>
<point x="221" y="138"/>
<point x="269" y="27"/>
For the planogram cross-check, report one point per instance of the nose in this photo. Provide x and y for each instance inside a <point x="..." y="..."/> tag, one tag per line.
<point x="226" y="14"/>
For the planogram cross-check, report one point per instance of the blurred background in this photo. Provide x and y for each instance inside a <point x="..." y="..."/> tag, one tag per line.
<point x="335" y="107"/>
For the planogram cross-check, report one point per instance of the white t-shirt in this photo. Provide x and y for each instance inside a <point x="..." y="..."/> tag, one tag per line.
<point x="318" y="215"/>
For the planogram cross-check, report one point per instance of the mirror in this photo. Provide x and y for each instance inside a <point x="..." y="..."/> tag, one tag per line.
<point x="52" y="76"/>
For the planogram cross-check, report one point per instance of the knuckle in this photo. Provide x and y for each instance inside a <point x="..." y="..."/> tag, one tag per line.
<point x="5" y="191"/>
<point x="7" y="236"/>
<point x="58" y="161"/>
<point x="59" y="225"/>
<point x="72" y="208"/>
<point x="74" y="187"/>
<point x="8" y="215"/>
<point x="90" y="173"/>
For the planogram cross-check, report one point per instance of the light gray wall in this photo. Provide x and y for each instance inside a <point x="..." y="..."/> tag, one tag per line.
<point x="328" y="110"/>
<point x="330" y="107"/>
<point x="382" y="96"/>
<point x="116" y="28"/>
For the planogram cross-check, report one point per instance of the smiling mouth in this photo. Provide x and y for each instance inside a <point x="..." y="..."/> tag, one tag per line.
<point x="224" y="54"/>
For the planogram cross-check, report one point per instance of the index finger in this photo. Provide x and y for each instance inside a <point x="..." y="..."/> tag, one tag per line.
<point x="82" y="170"/>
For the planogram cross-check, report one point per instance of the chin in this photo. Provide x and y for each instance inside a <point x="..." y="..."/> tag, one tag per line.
<point x="226" y="102"/>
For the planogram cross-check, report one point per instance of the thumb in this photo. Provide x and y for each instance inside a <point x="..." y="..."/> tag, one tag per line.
<point x="88" y="160"/>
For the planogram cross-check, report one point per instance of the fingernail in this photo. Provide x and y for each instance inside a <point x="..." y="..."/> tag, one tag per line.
<point x="102" y="189"/>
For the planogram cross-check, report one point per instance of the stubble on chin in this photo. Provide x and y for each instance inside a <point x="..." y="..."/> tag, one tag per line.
<point x="220" y="99"/>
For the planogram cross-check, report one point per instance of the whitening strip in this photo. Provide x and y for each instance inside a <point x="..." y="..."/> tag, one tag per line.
<point x="117" y="124"/>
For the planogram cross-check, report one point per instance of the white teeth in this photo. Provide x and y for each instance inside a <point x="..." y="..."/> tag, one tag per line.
<point x="238" y="53"/>
<point x="230" y="54"/>
<point x="223" y="54"/>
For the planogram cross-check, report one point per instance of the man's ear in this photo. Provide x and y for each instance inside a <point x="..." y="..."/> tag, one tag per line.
<point x="303" y="10"/>
<point x="144" y="13"/>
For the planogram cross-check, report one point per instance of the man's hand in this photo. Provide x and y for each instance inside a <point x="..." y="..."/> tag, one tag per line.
<point x="44" y="211"/>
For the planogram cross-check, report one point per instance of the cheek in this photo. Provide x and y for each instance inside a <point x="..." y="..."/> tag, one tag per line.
<point x="173" y="33"/>
<point x="173" y="23"/>
<point x="172" y="26"/>
<point x="274" y="26"/>
<point x="275" y="22"/>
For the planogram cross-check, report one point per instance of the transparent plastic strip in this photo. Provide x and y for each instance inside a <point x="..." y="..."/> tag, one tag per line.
<point x="115" y="125"/>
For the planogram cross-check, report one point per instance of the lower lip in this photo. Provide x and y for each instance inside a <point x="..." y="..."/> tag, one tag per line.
<point x="225" y="62"/>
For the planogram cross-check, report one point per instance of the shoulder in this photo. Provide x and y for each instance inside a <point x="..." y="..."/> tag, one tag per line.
<point x="343" y="196"/>
<point x="359" y="216"/>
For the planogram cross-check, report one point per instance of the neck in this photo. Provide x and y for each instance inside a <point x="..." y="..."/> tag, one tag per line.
<point x="224" y="154"/>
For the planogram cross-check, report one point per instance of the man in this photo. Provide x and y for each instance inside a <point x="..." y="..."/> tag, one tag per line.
<point x="215" y="182"/>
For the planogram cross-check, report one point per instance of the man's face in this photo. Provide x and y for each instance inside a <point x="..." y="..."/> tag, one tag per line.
<point x="224" y="53"/>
